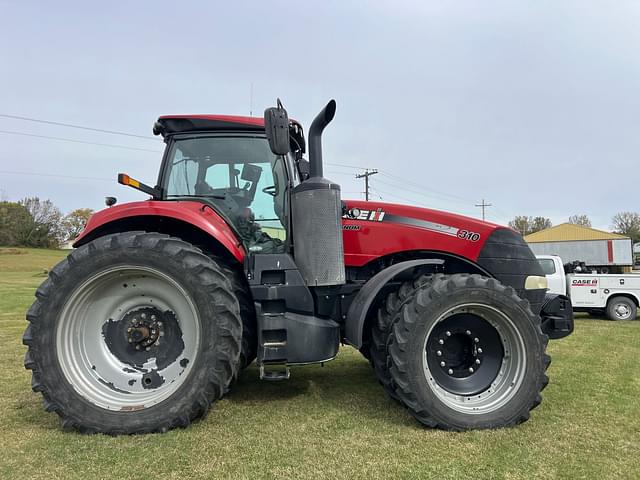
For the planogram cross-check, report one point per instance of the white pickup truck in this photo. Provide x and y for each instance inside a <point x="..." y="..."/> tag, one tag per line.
<point x="616" y="295"/>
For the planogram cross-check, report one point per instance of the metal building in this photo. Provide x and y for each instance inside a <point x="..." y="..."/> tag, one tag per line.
<point x="599" y="249"/>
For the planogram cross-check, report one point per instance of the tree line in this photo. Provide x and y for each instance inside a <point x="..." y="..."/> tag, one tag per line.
<point x="624" y="223"/>
<point x="33" y="222"/>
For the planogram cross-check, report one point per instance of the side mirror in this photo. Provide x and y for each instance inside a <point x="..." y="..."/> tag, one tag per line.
<point x="276" y="125"/>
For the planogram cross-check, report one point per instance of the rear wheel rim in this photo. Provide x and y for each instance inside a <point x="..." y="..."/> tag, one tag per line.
<point x="474" y="358"/>
<point x="127" y="338"/>
<point x="622" y="311"/>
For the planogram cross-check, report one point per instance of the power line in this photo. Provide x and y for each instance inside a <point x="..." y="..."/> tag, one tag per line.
<point x="367" y="173"/>
<point x="377" y="193"/>
<point x="82" y="127"/>
<point x="79" y="141"/>
<point x="422" y="187"/>
<point x="423" y="193"/>
<point x="412" y="200"/>
<point x="342" y="165"/>
<point x="483" y="205"/>
<point x="36" y="174"/>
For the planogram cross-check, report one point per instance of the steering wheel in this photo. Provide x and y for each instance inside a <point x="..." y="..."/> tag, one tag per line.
<point x="270" y="190"/>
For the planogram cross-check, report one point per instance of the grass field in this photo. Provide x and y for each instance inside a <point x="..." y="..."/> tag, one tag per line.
<point x="333" y="422"/>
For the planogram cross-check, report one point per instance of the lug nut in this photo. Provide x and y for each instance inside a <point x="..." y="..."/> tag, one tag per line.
<point x="153" y="317"/>
<point x="477" y="361"/>
<point x="479" y="350"/>
<point x="148" y="348"/>
<point x="468" y="332"/>
<point x="476" y="340"/>
<point x="470" y="369"/>
<point x="137" y="347"/>
<point x="441" y="342"/>
<point x="439" y="353"/>
<point x="442" y="364"/>
<point x="450" y="372"/>
<point x="448" y="333"/>
<point x="144" y="315"/>
<point x="131" y="340"/>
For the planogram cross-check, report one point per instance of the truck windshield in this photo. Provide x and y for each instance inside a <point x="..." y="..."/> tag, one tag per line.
<point x="241" y="177"/>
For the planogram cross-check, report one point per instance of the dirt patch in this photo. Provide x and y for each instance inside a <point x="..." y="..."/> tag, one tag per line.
<point x="12" y="251"/>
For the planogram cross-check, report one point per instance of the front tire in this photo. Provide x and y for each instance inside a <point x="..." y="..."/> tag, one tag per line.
<point x="133" y="333"/>
<point x="467" y="353"/>
<point x="381" y="328"/>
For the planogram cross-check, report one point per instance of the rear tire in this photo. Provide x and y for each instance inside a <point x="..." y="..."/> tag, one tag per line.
<point x="249" y="349"/>
<point x="621" y="308"/>
<point x="473" y="324"/>
<point x="150" y="291"/>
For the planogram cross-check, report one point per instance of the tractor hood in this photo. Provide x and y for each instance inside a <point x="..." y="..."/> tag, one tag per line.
<point x="372" y="230"/>
<point x="375" y="229"/>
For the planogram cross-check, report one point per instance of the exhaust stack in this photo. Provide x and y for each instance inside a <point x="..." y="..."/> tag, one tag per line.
<point x="315" y="138"/>
<point x="317" y="210"/>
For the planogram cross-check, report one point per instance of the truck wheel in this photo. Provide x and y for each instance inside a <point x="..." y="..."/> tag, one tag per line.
<point x="468" y="353"/>
<point x="621" y="308"/>
<point x="387" y="313"/>
<point x="133" y="333"/>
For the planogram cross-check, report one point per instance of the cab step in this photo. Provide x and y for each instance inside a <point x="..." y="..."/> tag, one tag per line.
<point x="274" y="372"/>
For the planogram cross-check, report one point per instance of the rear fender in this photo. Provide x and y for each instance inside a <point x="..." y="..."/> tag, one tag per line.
<point x="365" y="298"/>
<point x="135" y="214"/>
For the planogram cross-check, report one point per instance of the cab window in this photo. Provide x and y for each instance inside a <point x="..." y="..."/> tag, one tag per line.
<point x="241" y="177"/>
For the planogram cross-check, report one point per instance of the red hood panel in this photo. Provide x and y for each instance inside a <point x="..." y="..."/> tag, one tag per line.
<point x="384" y="228"/>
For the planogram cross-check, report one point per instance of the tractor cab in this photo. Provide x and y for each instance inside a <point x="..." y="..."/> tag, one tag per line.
<point x="227" y="163"/>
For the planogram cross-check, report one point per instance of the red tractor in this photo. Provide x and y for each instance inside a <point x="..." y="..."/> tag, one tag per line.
<point x="246" y="252"/>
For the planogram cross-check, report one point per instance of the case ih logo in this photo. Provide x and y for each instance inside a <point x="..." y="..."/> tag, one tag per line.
<point x="368" y="215"/>
<point x="577" y="282"/>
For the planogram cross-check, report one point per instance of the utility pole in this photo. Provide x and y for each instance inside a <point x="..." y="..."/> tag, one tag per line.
<point x="367" y="173"/>
<point x="483" y="205"/>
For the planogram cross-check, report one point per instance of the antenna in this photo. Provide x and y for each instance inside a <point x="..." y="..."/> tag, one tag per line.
<point x="251" y="100"/>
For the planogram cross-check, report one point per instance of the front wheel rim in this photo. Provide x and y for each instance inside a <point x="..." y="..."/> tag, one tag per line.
<point x="127" y="338"/>
<point x="480" y="382"/>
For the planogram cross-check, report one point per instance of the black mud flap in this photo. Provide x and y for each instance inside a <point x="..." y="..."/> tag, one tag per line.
<point x="557" y="316"/>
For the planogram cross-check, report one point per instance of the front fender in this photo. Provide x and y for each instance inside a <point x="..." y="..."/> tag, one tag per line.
<point x="359" y="308"/>
<point x="196" y="214"/>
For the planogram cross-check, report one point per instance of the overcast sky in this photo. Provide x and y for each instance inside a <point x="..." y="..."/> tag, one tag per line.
<point x="533" y="106"/>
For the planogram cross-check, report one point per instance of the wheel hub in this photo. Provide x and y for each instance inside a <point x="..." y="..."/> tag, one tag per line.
<point x="143" y="333"/>
<point x="622" y="311"/>
<point x="464" y="353"/>
<point x="145" y="328"/>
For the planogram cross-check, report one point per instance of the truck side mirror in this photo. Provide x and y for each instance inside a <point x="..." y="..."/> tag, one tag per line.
<point x="276" y="125"/>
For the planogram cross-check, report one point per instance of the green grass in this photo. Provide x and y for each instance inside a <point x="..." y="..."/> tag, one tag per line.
<point x="333" y="422"/>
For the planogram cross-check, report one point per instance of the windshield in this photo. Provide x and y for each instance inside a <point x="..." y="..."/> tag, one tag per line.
<point x="241" y="177"/>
